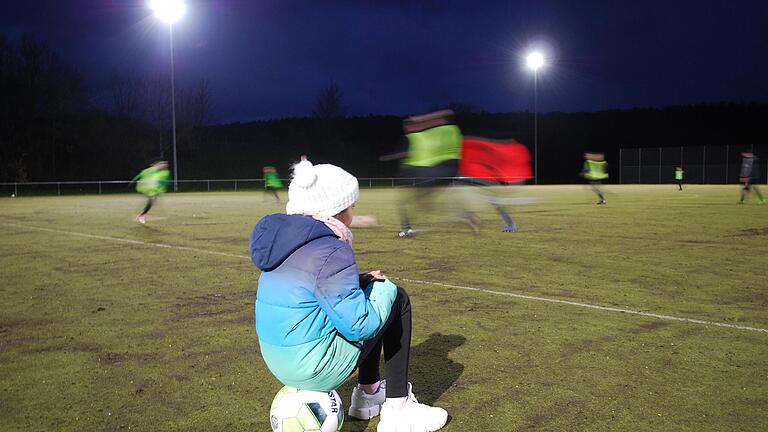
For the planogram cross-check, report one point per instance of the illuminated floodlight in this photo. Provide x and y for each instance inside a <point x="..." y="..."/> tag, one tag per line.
<point x="535" y="60"/>
<point x="168" y="11"/>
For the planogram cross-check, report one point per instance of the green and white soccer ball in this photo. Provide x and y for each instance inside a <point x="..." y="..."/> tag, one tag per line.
<point x="296" y="410"/>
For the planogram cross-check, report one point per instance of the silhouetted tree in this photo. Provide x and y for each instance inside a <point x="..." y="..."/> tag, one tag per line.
<point x="328" y="102"/>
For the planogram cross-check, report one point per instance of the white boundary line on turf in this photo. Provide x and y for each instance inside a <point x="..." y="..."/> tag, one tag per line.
<point x="125" y="240"/>
<point x="416" y="281"/>
<point x="590" y="306"/>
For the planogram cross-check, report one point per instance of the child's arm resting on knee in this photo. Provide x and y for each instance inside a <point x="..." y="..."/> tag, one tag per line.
<point x="357" y="315"/>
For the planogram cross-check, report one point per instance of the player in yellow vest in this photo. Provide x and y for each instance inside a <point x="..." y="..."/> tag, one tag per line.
<point x="595" y="171"/>
<point x="152" y="182"/>
<point x="432" y="159"/>
<point x="679" y="177"/>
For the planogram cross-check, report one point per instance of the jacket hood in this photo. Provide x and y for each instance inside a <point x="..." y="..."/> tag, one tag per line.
<point x="275" y="237"/>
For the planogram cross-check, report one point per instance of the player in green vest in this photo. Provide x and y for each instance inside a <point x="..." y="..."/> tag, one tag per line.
<point x="595" y="171"/>
<point x="679" y="177"/>
<point x="272" y="182"/>
<point x="432" y="159"/>
<point x="152" y="182"/>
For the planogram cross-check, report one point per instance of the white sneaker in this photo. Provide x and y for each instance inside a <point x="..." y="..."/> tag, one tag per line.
<point x="364" y="406"/>
<point x="411" y="417"/>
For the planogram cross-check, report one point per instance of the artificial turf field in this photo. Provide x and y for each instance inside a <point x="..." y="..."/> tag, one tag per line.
<point x="109" y="325"/>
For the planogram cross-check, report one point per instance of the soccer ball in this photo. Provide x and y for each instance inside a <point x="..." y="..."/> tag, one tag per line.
<point x="296" y="410"/>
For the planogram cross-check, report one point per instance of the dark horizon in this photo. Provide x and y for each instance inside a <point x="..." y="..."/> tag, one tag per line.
<point x="269" y="60"/>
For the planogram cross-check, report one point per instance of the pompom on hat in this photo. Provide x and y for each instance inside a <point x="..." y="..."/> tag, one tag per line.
<point x="324" y="190"/>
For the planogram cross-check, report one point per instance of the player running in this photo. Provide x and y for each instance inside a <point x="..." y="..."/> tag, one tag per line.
<point x="750" y="174"/>
<point x="152" y="182"/>
<point x="595" y="171"/>
<point x="272" y="182"/>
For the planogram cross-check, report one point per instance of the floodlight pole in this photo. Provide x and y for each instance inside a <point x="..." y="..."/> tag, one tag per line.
<point x="535" y="126"/>
<point x="173" y="115"/>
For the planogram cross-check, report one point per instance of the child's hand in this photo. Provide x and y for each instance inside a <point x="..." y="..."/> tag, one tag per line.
<point x="366" y="278"/>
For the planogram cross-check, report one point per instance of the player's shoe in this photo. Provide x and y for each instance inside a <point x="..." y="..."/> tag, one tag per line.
<point x="760" y="201"/>
<point x="411" y="417"/>
<point x="364" y="406"/>
<point x="510" y="228"/>
<point x="407" y="232"/>
<point x="142" y="219"/>
<point x="601" y="202"/>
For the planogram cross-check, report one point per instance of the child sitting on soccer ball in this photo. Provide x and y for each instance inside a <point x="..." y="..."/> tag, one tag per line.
<point x="318" y="319"/>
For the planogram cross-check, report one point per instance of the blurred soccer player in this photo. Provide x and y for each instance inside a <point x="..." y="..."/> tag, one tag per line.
<point x="491" y="163"/>
<point x="595" y="171"/>
<point x="432" y="159"/>
<point x="750" y="174"/>
<point x="152" y="182"/>
<point x="272" y="182"/>
<point x="679" y="177"/>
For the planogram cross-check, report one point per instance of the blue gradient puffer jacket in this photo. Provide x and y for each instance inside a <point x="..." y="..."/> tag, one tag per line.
<point x="311" y="313"/>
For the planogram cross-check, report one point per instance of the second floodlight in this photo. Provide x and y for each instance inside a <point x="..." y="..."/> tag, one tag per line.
<point x="535" y="60"/>
<point x="169" y="11"/>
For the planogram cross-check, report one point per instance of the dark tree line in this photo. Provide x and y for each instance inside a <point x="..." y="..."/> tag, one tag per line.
<point x="240" y="150"/>
<point x="48" y="130"/>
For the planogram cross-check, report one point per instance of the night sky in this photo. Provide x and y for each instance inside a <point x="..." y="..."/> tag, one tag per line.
<point x="269" y="59"/>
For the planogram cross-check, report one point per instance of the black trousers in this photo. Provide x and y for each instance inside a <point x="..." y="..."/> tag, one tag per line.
<point x="150" y="202"/>
<point x="395" y="338"/>
<point x="428" y="181"/>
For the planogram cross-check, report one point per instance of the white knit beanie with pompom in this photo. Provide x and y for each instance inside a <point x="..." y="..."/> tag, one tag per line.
<point x="324" y="190"/>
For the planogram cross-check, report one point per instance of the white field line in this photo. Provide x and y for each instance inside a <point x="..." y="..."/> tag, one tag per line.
<point x="416" y="281"/>
<point x="129" y="241"/>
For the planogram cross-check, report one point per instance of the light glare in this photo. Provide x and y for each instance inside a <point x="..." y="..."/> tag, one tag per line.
<point x="169" y="11"/>
<point x="535" y="60"/>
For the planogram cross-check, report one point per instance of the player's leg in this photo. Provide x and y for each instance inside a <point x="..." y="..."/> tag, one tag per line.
<point x="395" y="337"/>
<point x="598" y="192"/>
<point x="744" y="192"/>
<point x="760" y="198"/>
<point x="400" y="410"/>
<point x="142" y="217"/>
<point x="509" y="223"/>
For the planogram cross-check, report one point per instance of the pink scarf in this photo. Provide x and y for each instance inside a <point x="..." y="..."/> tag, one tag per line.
<point x="338" y="228"/>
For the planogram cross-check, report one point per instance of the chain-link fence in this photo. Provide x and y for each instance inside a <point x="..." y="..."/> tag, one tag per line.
<point x="701" y="164"/>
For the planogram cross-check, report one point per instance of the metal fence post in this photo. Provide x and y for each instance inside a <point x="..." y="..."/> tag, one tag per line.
<point x="704" y="166"/>
<point x="620" y="165"/>
<point x="370" y="183"/>
<point x="727" y="147"/>
<point x="235" y="185"/>
<point x="58" y="188"/>
<point x="393" y="182"/>
<point x="639" y="165"/>
<point x="659" y="165"/>
<point x="209" y="185"/>
<point x="16" y="189"/>
<point x="99" y="188"/>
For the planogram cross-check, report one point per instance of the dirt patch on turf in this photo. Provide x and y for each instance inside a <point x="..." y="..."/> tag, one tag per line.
<point x="75" y="346"/>
<point x="202" y="314"/>
<point x="753" y="232"/>
<point x="649" y="327"/>
<point x="571" y="349"/>
<point x="9" y="325"/>
<point x="245" y="319"/>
